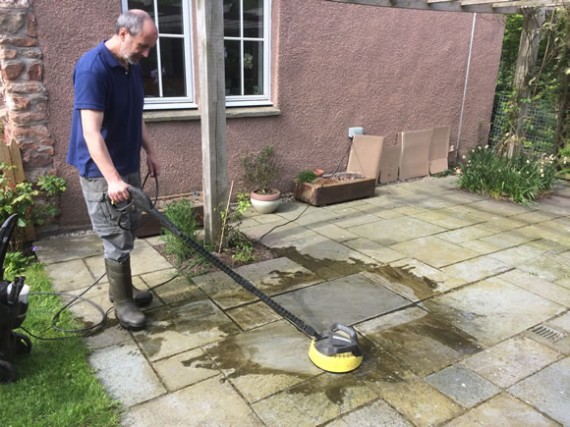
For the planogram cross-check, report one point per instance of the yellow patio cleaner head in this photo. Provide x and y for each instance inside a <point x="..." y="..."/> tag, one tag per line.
<point x="335" y="350"/>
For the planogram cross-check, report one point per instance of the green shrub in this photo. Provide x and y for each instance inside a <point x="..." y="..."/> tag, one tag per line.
<point x="181" y="214"/>
<point x="21" y="197"/>
<point x="305" y="176"/>
<point x="521" y="178"/>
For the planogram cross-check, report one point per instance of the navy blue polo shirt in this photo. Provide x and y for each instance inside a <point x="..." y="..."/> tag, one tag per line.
<point x="102" y="84"/>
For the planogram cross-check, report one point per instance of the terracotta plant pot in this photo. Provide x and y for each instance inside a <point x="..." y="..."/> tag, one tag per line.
<point x="265" y="203"/>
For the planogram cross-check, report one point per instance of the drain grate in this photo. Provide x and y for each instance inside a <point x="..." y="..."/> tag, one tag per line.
<point x="547" y="332"/>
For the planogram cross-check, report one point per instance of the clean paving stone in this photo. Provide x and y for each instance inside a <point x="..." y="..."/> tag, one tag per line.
<point x="463" y="386"/>
<point x="548" y="390"/>
<point x="510" y="361"/>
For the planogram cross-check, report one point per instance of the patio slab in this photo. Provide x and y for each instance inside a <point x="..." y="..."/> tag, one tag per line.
<point x="548" y="391"/>
<point x="463" y="386"/>
<point x="510" y="361"/>
<point x="347" y="300"/>
<point x="418" y="340"/>
<point x="510" y="412"/>
<point x="492" y="310"/>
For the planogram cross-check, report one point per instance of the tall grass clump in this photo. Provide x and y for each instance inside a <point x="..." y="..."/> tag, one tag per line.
<point x="521" y="178"/>
<point x="181" y="214"/>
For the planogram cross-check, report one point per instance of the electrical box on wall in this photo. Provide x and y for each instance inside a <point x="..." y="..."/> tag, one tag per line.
<point x="355" y="131"/>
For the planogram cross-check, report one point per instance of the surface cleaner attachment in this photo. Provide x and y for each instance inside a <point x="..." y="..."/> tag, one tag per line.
<point x="335" y="350"/>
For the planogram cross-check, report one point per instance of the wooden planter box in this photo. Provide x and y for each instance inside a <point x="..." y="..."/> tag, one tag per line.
<point x="327" y="191"/>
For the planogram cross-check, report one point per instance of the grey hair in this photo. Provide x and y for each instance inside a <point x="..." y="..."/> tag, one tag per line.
<point x="132" y="20"/>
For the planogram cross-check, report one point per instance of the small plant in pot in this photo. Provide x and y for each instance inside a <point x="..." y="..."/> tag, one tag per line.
<point x="260" y="171"/>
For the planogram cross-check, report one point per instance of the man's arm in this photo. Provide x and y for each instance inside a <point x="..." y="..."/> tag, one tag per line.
<point x="91" y="121"/>
<point x="151" y="160"/>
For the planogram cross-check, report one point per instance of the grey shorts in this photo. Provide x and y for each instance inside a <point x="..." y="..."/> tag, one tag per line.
<point x="118" y="237"/>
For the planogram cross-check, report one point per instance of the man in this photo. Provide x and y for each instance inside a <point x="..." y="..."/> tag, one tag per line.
<point x="107" y="134"/>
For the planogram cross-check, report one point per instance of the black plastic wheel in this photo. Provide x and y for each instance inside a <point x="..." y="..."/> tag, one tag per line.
<point x="7" y="372"/>
<point x="23" y="344"/>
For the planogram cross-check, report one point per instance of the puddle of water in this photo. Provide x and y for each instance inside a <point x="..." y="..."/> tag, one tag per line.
<point x="236" y="359"/>
<point x="325" y="268"/>
<point x="403" y="280"/>
<point x="287" y="280"/>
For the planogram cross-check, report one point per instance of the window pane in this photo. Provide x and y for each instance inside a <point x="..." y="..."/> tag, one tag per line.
<point x="170" y="16"/>
<point x="233" y="67"/>
<point x="150" y="74"/>
<point x="253" y="18"/>
<point x="173" y="72"/>
<point x="147" y="6"/>
<point x="231" y="18"/>
<point x="253" y="68"/>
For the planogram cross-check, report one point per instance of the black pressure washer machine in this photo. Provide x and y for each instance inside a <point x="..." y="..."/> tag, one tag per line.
<point x="13" y="307"/>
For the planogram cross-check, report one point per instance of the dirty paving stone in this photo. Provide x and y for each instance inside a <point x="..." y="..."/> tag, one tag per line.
<point x="492" y="310"/>
<point x="315" y="401"/>
<point x="502" y="410"/>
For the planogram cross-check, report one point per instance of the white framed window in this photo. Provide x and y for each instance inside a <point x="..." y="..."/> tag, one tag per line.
<point x="247" y="52"/>
<point x="168" y="72"/>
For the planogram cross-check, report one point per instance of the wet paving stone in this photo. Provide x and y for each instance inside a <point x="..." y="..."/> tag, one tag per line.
<point x="418" y="340"/>
<point x="263" y="361"/>
<point x="463" y="386"/>
<point x="315" y="401"/>
<point x="548" y="390"/>
<point x="347" y="300"/>
<point x="419" y="402"/>
<point x="271" y="277"/>
<point x="173" y="329"/>
<point x="492" y="310"/>
<point x="185" y="369"/>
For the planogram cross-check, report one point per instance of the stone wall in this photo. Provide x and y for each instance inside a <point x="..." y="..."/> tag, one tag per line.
<point x="22" y="90"/>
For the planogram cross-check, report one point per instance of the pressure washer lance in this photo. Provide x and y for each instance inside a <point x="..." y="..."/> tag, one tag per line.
<point x="335" y="350"/>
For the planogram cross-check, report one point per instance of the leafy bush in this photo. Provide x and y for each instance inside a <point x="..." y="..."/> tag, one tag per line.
<point x="260" y="170"/>
<point x="181" y="214"/>
<point x="20" y="197"/>
<point x="521" y="178"/>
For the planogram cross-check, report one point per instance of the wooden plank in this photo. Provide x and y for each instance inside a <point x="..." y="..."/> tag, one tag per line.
<point x="16" y="160"/>
<point x="508" y="7"/>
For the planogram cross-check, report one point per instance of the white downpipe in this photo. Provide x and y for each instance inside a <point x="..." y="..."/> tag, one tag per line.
<point x="465" y="85"/>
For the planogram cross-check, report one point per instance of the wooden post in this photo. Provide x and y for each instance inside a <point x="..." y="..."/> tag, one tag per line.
<point x="210" y="31"/>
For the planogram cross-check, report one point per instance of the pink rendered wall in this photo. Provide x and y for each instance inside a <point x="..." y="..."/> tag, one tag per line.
<point x="335" y="66"/>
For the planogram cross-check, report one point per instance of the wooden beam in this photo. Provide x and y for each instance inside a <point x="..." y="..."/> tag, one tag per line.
<point x="471" y="6"/>
<point x="210" y="30"/>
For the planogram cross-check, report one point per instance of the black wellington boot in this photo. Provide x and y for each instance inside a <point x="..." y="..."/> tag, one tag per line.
<point x="140" y="297"/>
<point x="121" y="287"/>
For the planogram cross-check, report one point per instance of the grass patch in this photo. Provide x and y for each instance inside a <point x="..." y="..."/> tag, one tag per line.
<point x="56" y="386"/>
